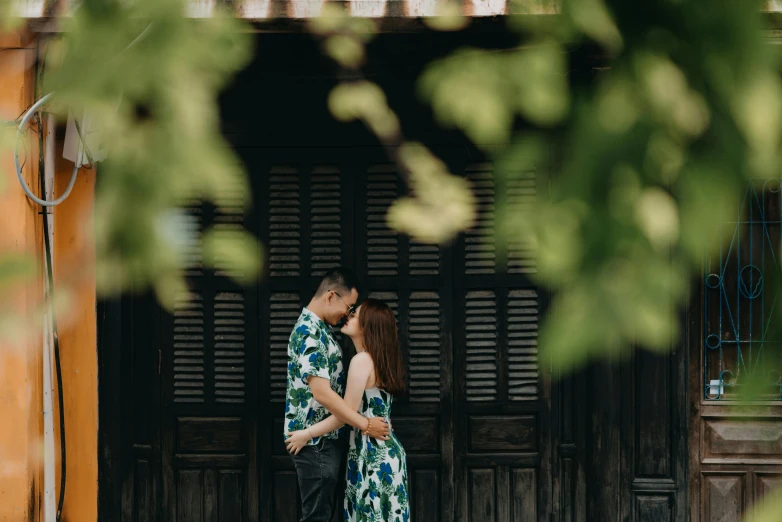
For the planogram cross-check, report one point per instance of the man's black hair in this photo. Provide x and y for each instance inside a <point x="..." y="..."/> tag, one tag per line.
<point x="342" y="280"/>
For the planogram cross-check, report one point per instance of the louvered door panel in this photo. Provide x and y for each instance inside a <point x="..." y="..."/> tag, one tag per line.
<point x="497" y="416"/>
<point x="208" y="441"/>
<point x="229" y="219"/>
<point x="382" y="252"/>
<point x="284" y="222"/>
<point x="521" y="191"/>
<point x="284" y="310"/>
<point x="390" y="298"/>
<point x="424" y="259"/>
<point x="424" y="347"/>
<point x="192" y="227"/>
<point x="523" y="374"/>
<point x="325" y="220"/>
<point x="480" y="256"/>
<point x="500" y="323"/>
<point x="229" y="347"/>
<point x="414" y="279"/>
<point x="481" y="343"/>
<point x="208" y="364"/>
<point x="188" y="346"/>
<point x="310" y="226"/>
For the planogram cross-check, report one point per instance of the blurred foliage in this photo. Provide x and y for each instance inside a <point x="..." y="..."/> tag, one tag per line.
<point x="768" y="510"/>
<point x="151" y="77"/>
<point x="634" y="165"/>
<point x="440" y="205"/>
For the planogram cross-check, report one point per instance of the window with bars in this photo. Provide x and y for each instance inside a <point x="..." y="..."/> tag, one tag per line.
<point x="742" y="341"/>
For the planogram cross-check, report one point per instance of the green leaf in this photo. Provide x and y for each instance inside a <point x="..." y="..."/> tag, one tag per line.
<point x="594" y="19"/>
<point x="539" y="73"/>
<point x="233" y="252"/>
<point x="471" y="90"/>
<point x="345" y="50"/>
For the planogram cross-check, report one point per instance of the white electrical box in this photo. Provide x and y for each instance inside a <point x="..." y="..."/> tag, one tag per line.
<point x="74" y="148"/>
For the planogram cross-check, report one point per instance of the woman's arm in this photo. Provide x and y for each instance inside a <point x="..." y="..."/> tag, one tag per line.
<point x="361" y="368"/>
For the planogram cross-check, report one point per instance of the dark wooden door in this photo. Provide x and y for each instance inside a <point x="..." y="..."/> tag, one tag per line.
<point x="501" y="408"/>
<point x="736" y="446"/>
<point x="208" y="390"/>
<point x="490" y="436"/>
<point x="326" y="208"/>
<point x="209" y="397"/>
<point x="473" y="419"/>
<point x="194" y="415"/>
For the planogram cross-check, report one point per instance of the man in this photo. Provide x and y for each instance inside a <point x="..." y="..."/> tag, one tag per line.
<point x="316" y="383"/>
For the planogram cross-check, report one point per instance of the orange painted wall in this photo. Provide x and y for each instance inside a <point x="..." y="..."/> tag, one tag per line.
<point x="21" y="420"/>
<point x="21" y="423"/>
<point x="74" y="259"/>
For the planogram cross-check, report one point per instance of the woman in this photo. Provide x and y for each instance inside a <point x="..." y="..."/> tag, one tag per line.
<point x="377" y="470"/>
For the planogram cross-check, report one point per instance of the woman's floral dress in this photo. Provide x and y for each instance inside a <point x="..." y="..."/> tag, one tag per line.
<point x="377" y="470"/>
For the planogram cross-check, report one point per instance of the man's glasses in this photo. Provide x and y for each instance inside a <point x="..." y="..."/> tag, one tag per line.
<point x="351" y="308"/>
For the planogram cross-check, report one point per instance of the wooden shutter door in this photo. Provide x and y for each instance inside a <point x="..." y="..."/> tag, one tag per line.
<point x="307" y="218"/>
<point x="208" y="419"/>
<point x="414" y="280"/>
<point x="499" y="410"/>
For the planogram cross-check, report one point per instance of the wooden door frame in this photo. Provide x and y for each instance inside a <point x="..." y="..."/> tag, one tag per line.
<point x="110" y="454"/>
<point x="695" y="378"/>
<point x="700" y="409"/>
<point x="116" y="448"/>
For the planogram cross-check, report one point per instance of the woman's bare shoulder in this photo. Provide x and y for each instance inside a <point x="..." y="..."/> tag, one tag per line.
<point x="362" y="360"/>
<point x="362" y="366"/>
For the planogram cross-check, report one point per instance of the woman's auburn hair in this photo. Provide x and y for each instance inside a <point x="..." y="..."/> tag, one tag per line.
<point x="381" y="341"/>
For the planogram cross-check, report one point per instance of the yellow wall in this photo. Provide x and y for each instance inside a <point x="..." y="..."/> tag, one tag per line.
<point x="73" y="262"/>
<point x="21" y="422"/>
<point x="20" y="363"/>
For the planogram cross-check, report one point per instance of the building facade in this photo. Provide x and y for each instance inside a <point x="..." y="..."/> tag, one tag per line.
<point x="178" y="416"/>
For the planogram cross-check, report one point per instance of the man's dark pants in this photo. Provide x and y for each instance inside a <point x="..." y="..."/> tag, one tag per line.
<point x="320" y="469"/>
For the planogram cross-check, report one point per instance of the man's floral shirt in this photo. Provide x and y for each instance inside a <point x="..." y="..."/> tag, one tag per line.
<point x="312" y="351"/>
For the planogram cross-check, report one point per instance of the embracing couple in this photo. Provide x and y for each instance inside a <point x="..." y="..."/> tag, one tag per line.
<point x="317" y="416"/>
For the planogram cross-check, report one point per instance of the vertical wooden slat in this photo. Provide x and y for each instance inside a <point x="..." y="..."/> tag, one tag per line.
<point x="211" y="496"/>
<point x="143" y="491"/>
<point x="426" y="499"/>
<point x="482" y="495"/>
<point x="523" y="497"/>
<point x="503" y="494"/>
<point x="232" y="497"/>
<point x="190" y="495"/>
